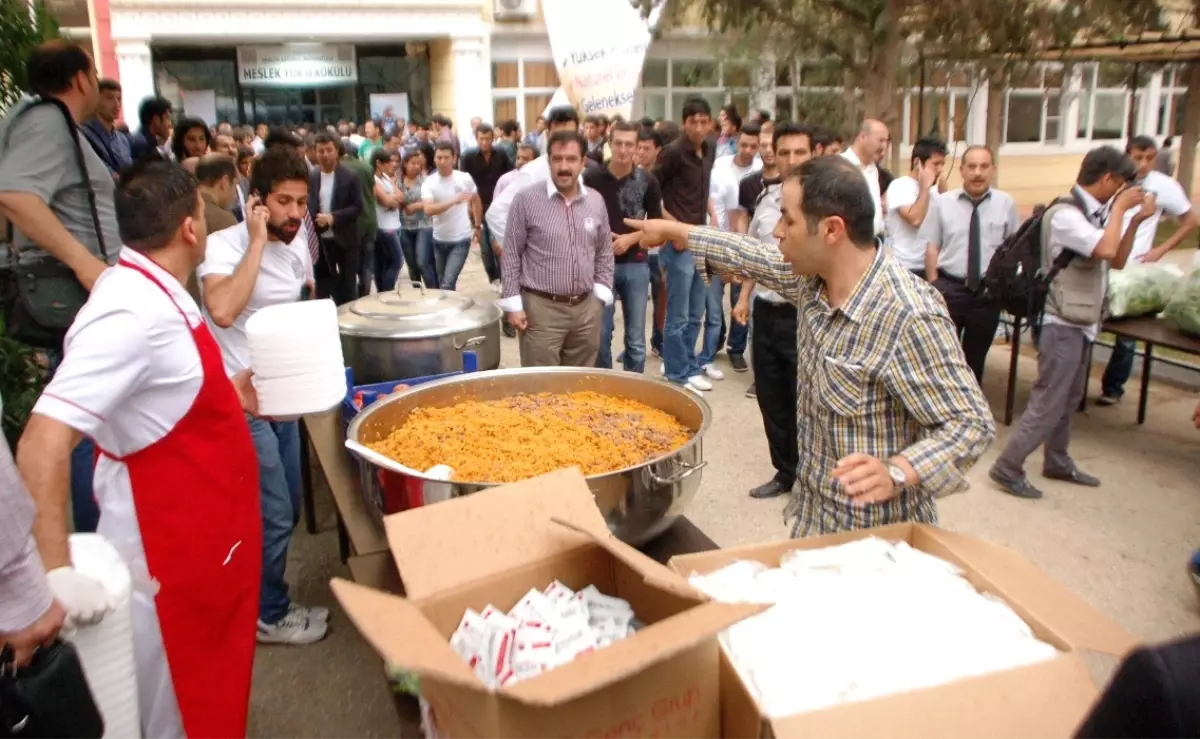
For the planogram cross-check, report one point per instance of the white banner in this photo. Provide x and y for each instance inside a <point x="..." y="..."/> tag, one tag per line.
<point x="294" y="65"/>
<point x="599" y="58"/>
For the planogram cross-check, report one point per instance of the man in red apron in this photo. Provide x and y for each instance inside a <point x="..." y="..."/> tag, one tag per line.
<point x="176" y="480"/>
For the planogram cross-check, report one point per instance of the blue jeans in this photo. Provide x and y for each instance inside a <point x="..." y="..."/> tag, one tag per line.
<point x="491" y="264"/>
<point x="417" y="245"/>
<point x="277" y="445"/>
<point x="631" y="284"/>
<point x="389" y="258"/>
<point x="656" y="334"/>
<point x="714" y="321"/>
<point x="686" y="298"/>
<point x="739" y="333"/>
<point x="1120" y="367"/>
<point x="449" y="257"/>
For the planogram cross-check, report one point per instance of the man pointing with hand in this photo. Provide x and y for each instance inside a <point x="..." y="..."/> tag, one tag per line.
<point x="889" y="416"/>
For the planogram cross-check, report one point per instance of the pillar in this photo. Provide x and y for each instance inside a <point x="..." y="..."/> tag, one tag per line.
<point x="763" y="97"/>
<point x="137" y="78"/>
<point x="472" y="81"/>
<point x="977" y="112"/>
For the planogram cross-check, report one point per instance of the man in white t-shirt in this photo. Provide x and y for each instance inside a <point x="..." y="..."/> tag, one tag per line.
<point x="746" y="161"/>
<point x="1172" y="200"/>
<point x="452" y="201"/>
<point x="868" y="148"/>
<point x="723" y="194"/>
<point x="908" y="199"/>
<point x="243" y="272"/>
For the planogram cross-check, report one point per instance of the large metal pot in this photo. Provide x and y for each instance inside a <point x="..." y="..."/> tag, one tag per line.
<point x="417" y="333"/>
<point x="638" y="502"/>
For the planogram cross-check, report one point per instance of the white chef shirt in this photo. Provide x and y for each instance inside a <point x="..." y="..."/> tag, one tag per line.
<point x="906" y="246"/>
<point x="871" y="175"/>
<point x="1170" y="198"/>
<point x="455" y="223"/>
<point x="284" y="270"/>
<point x="1072" y="229"/>
<point x="326" y="195"/>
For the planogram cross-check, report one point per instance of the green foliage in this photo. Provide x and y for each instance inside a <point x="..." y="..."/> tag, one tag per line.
<point x="22" y="377"/>
<point x="20" y="31"/>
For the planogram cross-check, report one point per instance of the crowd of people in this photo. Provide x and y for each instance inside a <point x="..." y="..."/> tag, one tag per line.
<point x="859" y="294"/>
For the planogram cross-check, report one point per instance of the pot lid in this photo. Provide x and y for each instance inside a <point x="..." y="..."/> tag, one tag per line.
<point x="414" y="314"/>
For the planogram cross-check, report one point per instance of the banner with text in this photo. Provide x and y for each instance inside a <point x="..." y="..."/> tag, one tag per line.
<point x="297" y="65"/>
<point x="600" y="57"/>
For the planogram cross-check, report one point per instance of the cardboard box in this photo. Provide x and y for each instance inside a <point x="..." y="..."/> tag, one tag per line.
<point x="1049" y="699"/>
<point x="492" y="547"/>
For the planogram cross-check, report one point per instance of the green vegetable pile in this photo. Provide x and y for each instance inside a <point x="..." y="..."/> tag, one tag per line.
<point x="1142" y="289"/>
<point x="1183" y="311"/>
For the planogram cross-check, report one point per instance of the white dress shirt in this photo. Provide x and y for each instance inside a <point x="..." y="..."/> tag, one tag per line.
<point x="871" y="175"/>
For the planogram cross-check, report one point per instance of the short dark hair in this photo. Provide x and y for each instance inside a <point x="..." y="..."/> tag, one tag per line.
<point x="276" y="165"/>
<point x="623" y="126"/>
<point x="53" y="66"/>
<point x="561" y="138"/>
<point x="695" y="106"/>
<point x="325" y="137"/>
<point x="1105" y="160"/>
<point x="764" y="115"/>
<point x="109" y="85"/>
<point x="751" y="129"/>
<point x="510" y="127"/>
<point x="649" y="134"/>
<point x="669" y="132"/>
<point x="594" y="120"/>
<point x="562" y="114"/>
<point x="647" y="122"/>
<point x="825" y="137"/>
<point x="152" y="200"/>
<point x="527" y="147"/>
<point x="730" y="109"/>
<point x="212" y="167"/>
<point x="443" y="146"/>
<point x="380" y="156"/>
<point x="735" y="119"/>
<point x="976" y="147"/>
<point x="181" y="130"/>
<point x="151" y="108"/>
<point x="1140" y="143"/>
<point x="244" y="153"/>
<point x="784" y="130"/>
<point x="280" y="136"/>
<point x="485" y="128"/>
<point x="835" y="187"/>
<point x="926" y="147"/>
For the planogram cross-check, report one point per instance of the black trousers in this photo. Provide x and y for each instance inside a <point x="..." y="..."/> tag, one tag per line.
<point x="773" y="358"/>
<point x="336" y="272"/>
<point x="975" y="320"/>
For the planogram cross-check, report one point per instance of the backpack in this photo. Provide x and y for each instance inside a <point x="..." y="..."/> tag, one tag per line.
<point x="1014" y="278"/>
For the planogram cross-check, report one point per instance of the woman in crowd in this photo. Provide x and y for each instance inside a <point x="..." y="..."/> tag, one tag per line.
<point x="190" y="139"/>
<point x="388" y="256"/>
<point x="416" y="234"/>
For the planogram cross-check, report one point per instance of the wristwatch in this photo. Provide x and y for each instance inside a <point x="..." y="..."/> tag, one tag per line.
<point x="898" y="475"/>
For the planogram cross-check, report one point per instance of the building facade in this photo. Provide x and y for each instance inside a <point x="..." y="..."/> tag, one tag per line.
<point x="323" y="60"/>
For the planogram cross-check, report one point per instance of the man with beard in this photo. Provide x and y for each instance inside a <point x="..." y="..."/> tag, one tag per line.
<point x="243" y="272"/>
<point x="176" y="476"/>
<point x="558" y="263"/>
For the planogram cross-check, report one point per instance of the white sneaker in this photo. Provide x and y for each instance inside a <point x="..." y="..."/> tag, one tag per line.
<point x="316" y="613"/>
<point x="712" y="372"/>
<point x="662" y="368"/>
<point x="692" y="389"/>
<point x="295" y="628"/>
<point x="699" y="383"/>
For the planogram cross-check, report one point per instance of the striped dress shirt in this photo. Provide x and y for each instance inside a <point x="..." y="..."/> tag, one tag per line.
<point x="24" y="593"/>
<point x="882" y="375"/>
<point x="557" y="246"/>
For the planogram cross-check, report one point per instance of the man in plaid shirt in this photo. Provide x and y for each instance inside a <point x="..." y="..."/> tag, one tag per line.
<point x="889" y="415"/>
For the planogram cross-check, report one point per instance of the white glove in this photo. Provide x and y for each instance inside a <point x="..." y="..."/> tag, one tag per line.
<point x="86" y="599"/>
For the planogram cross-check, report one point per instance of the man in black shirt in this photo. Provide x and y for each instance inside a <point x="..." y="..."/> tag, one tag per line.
<point x="486" y="165"/>
<point x="628" y="192"/>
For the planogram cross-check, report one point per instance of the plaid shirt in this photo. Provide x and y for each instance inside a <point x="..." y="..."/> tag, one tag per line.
<point x="883" y="375"/>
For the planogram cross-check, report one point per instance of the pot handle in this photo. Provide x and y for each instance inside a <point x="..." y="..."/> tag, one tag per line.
<point x="473" y="341"/>
<point x="687" y="471"/>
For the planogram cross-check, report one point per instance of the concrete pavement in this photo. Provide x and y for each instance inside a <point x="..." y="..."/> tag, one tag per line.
<point x="1122" y="547"/>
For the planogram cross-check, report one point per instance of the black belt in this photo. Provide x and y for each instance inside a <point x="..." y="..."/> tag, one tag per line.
<point x="563" y="299"/>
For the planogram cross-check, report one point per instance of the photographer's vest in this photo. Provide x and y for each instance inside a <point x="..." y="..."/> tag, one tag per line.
<point x="1076" y="293"/>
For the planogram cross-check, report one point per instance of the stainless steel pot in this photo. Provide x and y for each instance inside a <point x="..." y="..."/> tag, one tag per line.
<point x="417" y="333"/>
<point x="638" y="502"/>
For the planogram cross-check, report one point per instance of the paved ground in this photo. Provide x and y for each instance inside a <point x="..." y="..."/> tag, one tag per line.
<point x="1121" y="547"/>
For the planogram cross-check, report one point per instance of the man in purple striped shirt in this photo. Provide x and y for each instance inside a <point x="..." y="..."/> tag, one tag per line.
<point x="557" y="263"/>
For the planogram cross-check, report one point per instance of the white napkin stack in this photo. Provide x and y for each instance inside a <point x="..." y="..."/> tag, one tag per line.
<point x="296" y="355"/>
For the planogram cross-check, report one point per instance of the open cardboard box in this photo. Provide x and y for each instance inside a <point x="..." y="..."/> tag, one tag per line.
<point x="1048" y="699"/>
<point x="492" y="547"/>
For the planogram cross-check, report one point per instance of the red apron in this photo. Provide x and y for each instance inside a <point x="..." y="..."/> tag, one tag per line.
<point x="196" y="495"/>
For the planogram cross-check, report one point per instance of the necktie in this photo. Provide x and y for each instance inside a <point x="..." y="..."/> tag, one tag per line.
<point x="237" y="212"/>
<point x="314" y="247"/>
<point x="974" y="247"/>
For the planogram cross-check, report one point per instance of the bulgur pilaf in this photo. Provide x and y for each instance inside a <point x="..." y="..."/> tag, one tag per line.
<point x="530" y="434"/>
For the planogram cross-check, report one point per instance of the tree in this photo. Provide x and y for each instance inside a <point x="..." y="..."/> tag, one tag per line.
<point x="22" y="27"/>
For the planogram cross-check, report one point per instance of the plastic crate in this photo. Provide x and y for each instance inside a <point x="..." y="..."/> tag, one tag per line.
<point x="373" y="392"/>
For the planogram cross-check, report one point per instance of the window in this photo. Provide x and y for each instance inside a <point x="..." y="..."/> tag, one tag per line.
<point x="521" y="90"/>
<point x="738" y="75"/>
<point x="504" y="109"/>
<point x="829" y="73"/>
<point x="535" y="105"/>
<point x="654" y="73"/>
<point x="1108" y="116"/>
<point x="1023" y="119"/>
<point x="654" y="104"/>
<point x="1033" y="106"/>
<point x="504" y="75"/>
<point x="689" y="73"/>
<point x="783" y="109"/>
<point x="540" y="74"/>
<point x="945" y="116"/>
